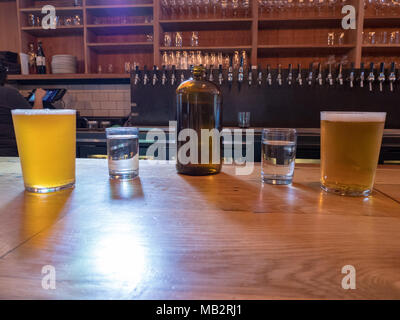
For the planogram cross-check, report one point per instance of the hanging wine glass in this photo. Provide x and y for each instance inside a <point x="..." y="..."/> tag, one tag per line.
<point x="245" y="5"/>
<point x="235" y="7"/>
<point x="198" y="4"/>
<point x="224" y="6"/>
<point x="206" y="4"/>
<point x="214" y="4"/>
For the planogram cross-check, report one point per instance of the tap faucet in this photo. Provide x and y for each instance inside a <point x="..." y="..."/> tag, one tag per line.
<point x="290" y="75"/>
<point x="155" y="78"/>
<point x="310" y="75"/>
<point x="241" y="71"/>
<point x="371" y="76"/>
<point x="259" y="76"/>
<point x="136" y="80"/>
<point x="164" y="76"/>
<point x="250" y="76"/>
<point x="319" y="75"/>
<point x="299" y="78"/>
<point x="211" y="76"/>
<point x="362" y="75"/>
<point x="339" y="78"/>
<point x="220" y="75"/>
<point x="392" y="75"/>
<point x="351" y="76"/>
<point x="173" y="75"/>
<point x="145" y="76"/>
<point x="230" y="72"/>
<point x="269" y="75"/>
<point x="182" y="76"/>
<point x="381" y="77"/>
<point x="279" y="76"/>
<point x="329" y="78"/>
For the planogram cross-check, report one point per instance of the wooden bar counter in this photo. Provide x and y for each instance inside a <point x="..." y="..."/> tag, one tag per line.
<point x="169" y="236"/>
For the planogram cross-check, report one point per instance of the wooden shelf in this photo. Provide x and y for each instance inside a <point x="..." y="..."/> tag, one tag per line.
<point x="206" y="24"/>
<point x="121" y="6"/>
<point x="59" y="31"/>
<point x="103" y="44"/>
<point x="58" y="9"/>
<point x="119" y="46"/>
<point x="295" y="22"/>
<point x="77" y="76"/>
<point x="305" y="46"/>
<point x="110" y="29"/>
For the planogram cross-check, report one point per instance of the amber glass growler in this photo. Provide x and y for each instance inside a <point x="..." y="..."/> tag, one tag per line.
<point x="199" y="109"/>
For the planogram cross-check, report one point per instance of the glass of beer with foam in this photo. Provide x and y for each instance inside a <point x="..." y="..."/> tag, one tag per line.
<point x="46" y="146"/>
<point x="350" y="145"/>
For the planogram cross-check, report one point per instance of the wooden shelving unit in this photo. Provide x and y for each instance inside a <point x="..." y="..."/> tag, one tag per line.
<point x="269" y="39"/>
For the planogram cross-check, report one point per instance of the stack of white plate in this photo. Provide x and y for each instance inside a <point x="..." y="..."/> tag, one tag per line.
<point x="63" y="63"/>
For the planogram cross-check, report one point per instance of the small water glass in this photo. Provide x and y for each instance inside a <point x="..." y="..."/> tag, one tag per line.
<point x="123" y="152"/>
<point x="167" y="39"/>
<point x="278" y="155"/>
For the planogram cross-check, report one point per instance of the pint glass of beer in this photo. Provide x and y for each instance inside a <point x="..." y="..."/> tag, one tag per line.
<point x="350" y="144"/>
<point x="46" y="147"/>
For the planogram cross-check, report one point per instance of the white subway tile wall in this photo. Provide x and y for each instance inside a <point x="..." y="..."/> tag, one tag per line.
<point x="94" y="100"/>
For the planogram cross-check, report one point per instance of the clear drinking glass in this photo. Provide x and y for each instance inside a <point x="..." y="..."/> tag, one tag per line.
<point x="350" y="145"/>
<point x="46" y="147"/>
<point x="167" y="39"/>
<point x="278" y="155"/>
<point x="244" y="119"/>
<point x="178" y="39"/>
<point x="123" y="152"/>
<point x="194" y="39"/>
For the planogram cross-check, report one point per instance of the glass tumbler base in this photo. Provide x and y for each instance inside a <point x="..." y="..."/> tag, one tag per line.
<point x="123" y="176"/>
<point x="277" y="181"/>
<point x="347" y="192"/>
<point x="49" y="190"/>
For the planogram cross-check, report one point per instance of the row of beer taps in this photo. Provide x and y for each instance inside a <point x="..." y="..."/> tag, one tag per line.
<point x="256" y="76"/>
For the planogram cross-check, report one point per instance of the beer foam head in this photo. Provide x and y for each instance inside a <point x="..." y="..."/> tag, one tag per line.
<point x="343" y="116"/>
<point x="41" y="112"/>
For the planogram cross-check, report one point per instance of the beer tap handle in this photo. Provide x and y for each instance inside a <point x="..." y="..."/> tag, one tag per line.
<point x="319" y="76"/>
<point x="371" y="76"/>
<point x="269" y="75"/>
<point x="329" y="78"/>
<point x="259" y="76"/>
<point x="145" y="76"/>
<point x="299" y="78"/>
<point x="173" y="75"/>
<point x="310" y="74"/>
<point x="279" y="76"/>
<point x="250" y="76"/>
<point x="164" y="76"/>
<point x="381" y="77"/>
<point x="351" y="76"/>
<point x="392" y="76"/>
<point x="220" y="75"/>
<point x="362" y="75"/>
<point x="155" y="76"/>
<point x="137" y="76"/>
<point x="230" y="72"/>
<point x="290" y="75"/>
<point x="211" y="76"/>
<point x="339" y="77"/>
<point x="241" y="71"/>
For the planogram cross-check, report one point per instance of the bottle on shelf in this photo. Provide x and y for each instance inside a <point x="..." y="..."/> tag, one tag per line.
<point x="40" y="59"/>
<point x="199" y="106"/>
<point x="32" y="58"/>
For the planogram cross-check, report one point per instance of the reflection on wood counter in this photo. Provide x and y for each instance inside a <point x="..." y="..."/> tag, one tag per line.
<point x="169" y="236"/>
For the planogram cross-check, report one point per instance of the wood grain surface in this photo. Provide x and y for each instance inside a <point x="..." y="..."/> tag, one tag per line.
<point x="169" y="236"/>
